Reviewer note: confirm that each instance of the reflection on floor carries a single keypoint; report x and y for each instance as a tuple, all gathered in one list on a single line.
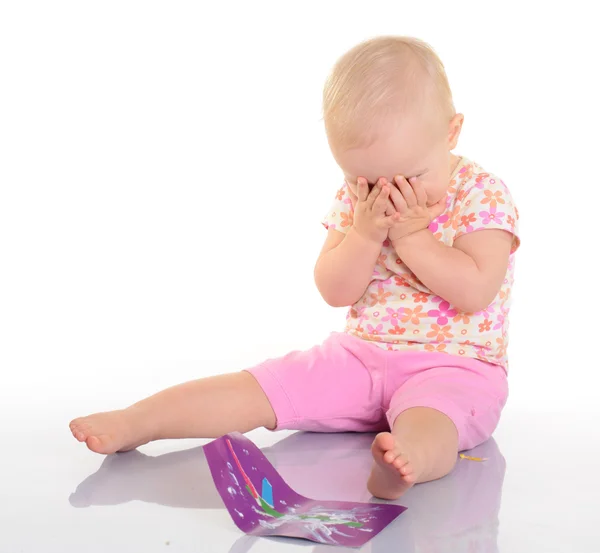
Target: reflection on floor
[(457, 513)]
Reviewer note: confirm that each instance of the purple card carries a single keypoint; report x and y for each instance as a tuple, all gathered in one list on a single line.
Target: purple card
[(262, 504)]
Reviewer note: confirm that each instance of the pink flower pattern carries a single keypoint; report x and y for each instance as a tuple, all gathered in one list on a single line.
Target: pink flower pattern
[(486, 312), (375, 330), (393, 315), (443, 312), (501, 319), (491, 215), (471, 202)]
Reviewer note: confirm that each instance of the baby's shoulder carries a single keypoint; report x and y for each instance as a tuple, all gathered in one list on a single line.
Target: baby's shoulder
[(478, 200), (472, 180)]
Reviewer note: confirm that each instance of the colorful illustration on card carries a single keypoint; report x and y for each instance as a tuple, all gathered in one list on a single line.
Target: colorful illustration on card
[(239, 470)]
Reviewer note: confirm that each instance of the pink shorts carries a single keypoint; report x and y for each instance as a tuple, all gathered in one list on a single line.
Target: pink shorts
[(349, 385)]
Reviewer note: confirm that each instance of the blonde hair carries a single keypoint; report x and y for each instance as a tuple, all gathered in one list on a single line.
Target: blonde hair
[(377, 82)]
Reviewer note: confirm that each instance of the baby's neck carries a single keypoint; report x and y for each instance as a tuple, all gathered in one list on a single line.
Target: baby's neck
[(454, 161)]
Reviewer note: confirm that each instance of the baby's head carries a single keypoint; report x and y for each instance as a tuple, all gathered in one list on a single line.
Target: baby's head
[(388, 111)]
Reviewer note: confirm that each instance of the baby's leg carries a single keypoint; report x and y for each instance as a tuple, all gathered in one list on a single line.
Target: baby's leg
[(205, 408), (422, 446), (435, 414)]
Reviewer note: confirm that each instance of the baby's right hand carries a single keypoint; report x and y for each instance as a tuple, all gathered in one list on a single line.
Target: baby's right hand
[(370, 219)]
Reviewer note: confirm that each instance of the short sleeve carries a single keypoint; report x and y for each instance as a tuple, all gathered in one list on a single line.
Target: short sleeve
[(486, 203), (340, 214)]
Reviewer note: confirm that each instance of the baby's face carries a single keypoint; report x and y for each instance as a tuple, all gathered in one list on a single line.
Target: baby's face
[(409, 152)]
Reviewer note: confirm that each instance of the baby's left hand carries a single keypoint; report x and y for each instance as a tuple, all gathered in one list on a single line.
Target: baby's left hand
[(412, 212)]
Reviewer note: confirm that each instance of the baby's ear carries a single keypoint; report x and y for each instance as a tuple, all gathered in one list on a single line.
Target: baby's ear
[(454, 130)]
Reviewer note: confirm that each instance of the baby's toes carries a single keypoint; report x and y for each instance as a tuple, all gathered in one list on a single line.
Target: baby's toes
[(406, 470), (409, 478), (383, 443), (80, 434), (400, 462), (78, 424), (81, 431), (98, 444), (390, 457)]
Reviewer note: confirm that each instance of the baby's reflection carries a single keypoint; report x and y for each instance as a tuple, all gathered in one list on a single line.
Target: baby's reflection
[(457, 513)]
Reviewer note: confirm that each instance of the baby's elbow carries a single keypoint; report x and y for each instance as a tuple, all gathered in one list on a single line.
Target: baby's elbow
[(335, 299), (333, 294), (475, 301), (335, 303), (472, 306)]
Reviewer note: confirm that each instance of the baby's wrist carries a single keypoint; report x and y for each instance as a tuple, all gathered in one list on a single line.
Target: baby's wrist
[(411, 237), (366, 238)]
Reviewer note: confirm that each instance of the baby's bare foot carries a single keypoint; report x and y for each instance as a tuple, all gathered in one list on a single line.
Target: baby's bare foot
[(394, 470), (113, 431)]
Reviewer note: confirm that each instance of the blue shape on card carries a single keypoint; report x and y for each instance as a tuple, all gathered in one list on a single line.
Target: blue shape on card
[(267, 492)]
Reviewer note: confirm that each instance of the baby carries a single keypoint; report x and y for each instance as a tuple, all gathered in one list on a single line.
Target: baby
[(420, 246)]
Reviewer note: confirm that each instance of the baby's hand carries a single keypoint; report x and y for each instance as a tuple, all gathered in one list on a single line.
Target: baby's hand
[(370, 219), (412, 212), (390, 210)]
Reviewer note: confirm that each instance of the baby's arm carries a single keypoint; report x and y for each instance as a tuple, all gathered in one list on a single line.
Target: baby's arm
[(345, 267), (468, 274)]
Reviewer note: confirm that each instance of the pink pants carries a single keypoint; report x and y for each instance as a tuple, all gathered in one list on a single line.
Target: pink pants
[(350, 385)]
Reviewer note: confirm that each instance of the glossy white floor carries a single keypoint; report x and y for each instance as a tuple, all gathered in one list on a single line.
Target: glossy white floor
[(537, 492)]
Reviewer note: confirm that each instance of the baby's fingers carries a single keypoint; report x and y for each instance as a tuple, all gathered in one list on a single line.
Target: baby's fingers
[(437, 209), (381, 202), (390, 220), (419, 191), (389, 208), (352, 194), (362, 189), (375, 193), (407, 191), (398, 200)]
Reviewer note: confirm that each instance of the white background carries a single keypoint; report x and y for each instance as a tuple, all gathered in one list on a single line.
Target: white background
[(163, 175), (164, 171)]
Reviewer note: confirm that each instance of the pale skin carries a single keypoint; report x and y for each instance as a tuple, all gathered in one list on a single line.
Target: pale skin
[(409, 193), (423, 443)]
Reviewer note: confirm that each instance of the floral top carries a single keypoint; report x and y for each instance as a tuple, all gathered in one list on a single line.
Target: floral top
[(398, 312)]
